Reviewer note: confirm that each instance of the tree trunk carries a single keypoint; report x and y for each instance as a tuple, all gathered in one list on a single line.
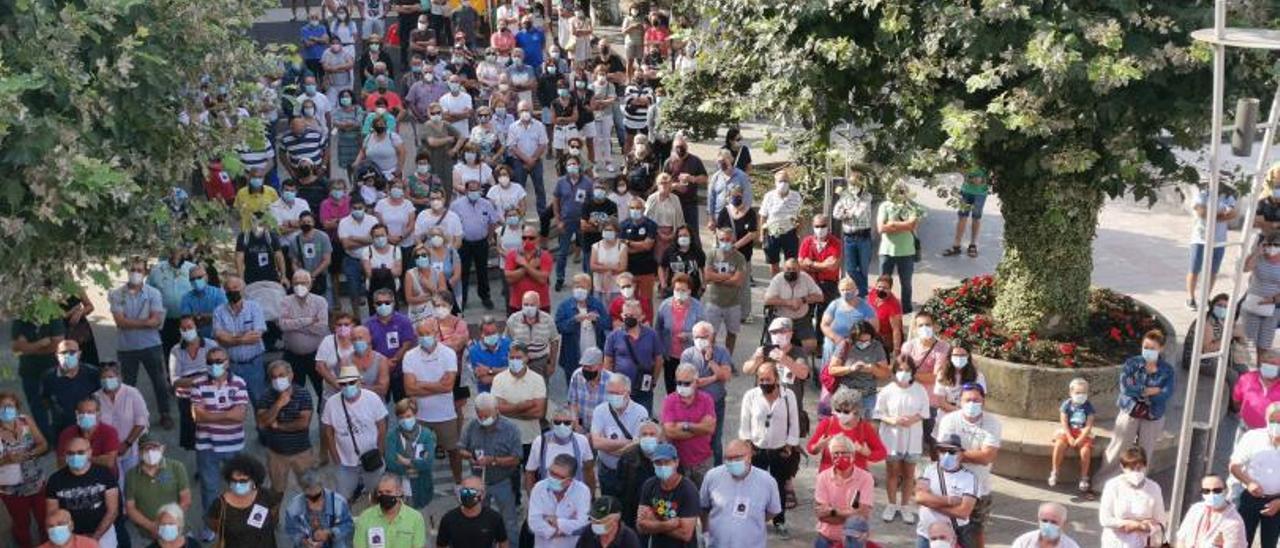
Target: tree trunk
[(1043, 279)]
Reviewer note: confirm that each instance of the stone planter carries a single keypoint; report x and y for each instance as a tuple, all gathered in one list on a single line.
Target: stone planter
[(1035, 392)]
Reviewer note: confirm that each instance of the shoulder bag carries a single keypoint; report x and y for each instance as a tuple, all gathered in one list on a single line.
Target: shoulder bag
[(955, 525), (371, 460)]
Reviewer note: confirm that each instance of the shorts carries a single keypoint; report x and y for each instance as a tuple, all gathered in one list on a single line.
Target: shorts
[(906, 458), (971, 205), (562, 134), (1073, 432), (787, 244), (446, 433), (802, 330), (724, 319), (1197, 258)]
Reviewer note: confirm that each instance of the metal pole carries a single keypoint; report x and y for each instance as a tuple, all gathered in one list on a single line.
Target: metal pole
[(1202, 292), (1223, 360)]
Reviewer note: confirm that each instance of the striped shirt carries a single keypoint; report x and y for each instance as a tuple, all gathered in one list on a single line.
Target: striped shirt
[(586, 397), (635, 117), (255, 158), (537, 337), (217, 396), (308, 146), (279, 441), (250, 318)]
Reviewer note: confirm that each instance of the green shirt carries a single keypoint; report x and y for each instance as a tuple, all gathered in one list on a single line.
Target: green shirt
[(897, 244), (408, 529), (976, 189), (150, 493), (719, 293)]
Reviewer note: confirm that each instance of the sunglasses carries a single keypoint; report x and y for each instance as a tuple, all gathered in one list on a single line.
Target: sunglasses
[(77, 452), (948, 451), (219, 362), (563, 423), (348, 383)]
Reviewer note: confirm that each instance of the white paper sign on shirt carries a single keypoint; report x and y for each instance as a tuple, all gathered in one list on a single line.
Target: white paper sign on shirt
[(257, 516)]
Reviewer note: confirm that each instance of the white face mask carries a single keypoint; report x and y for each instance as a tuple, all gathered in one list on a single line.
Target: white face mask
[(301, 290), (779, 339), (701, 343), (1135, 477), (684, 391)]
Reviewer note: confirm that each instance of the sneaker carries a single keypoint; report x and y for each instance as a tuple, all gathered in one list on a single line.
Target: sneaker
[(1191, 304), (908, 517), (1084, 486), (782, 531), (1053, 479), (559, 285), (889, 512), (207, 536)]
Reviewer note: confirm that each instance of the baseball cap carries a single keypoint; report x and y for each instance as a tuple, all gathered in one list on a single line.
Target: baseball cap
[(952, 441), (604, 507), (591, 356), (780, 324), (664, 451)]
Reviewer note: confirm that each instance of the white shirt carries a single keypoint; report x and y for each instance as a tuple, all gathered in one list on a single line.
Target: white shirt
[(1031, 539), (603, 425), (323, 106), (449, 222), (769, 425), (365, 413), (1260, 458), (1201, 527), (570, 511), (458, 104), (895, 401), (510, 197), (398, 218), (526, 139), (431, 367), (984, 433), (1121, 501), (556, 447), (512, 389), (780, 212), (284, 212), (348, 227), (960, 483)]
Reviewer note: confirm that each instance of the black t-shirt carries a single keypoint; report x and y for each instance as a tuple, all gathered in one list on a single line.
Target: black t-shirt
[(585, 115), (681, 502), (313, 193), (562, 109), (280, 441), (34, 365), (741, 227), (547, 86), (597, 212), (259, 256), (634, 469), (626, 538), (689, 261), (482, 531), (253, 526), (693, 166), (640, 263), (613, 64), (84, 496)]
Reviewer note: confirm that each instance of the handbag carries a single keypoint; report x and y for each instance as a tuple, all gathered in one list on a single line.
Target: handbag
[(371, 460), (1253, 304), (1140, 411)]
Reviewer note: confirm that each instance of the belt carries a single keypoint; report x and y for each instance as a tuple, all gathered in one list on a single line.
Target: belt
[(860, 233)]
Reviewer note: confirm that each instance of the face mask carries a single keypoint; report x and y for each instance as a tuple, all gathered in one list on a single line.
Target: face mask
[(683, 241), (736, 201), (168, 532), (469, 156), (972, 409), (779, 339), (422, 262), (513, 221), (255, 182), (563, 93), (648, 444), (490, 340), (580, 294), (351, 391), (135, 278), (442, 312), (1050, 530), (781, 187), (599, 194), (301, 290), (1135, 477), (561, 431), (960, 362), (599, 529), (437, 117), (862, 345), (60, 534), (1220, 312), (152, 457), (630, 322), (309, 112), (487, 421), (8, 413), (949, 461), (380, 241), (384, 309), (427, 342), (609, 235), (437, 204), (881, 293), (701, 343), (397, 193), (1269, 370), (1079, 399), (821, 233), (515, 365), (87, 421), (616, 401), (529, 311), (217, 370), (939, 544), (241, 487), (468, 497), (380, 129), (572, 169), (199, 284), (556, 484), (387, 502), (628, 292), (843, 464), (111, 384), (360, 346), (925, 332), (768, 388), (1150, 355), (725, 247), (685, 391), (1273, 429), (589, 374), (1215, 500), (525, 116), (636, 213), (281, 384), (473, 195), (903, 377), (408, 423), (736, 467), (844, 418), (664, 472), (344, 101), (357, 214)]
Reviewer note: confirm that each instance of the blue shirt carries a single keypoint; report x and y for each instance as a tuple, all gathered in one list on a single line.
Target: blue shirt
[(1077, 415), (314, 51), (647, 348), (572, 197), (478, 217), (494, 358), (136, 306), (532, 41), (336, 516), (249, 318), (203, 302), (173, 282), (719, 355), (720, 185), (1134, 379)]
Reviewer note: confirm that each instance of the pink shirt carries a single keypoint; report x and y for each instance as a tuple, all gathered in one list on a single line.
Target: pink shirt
[(928, 359), (835, 491), (678, 313), (126, 411), (331, 210), (695, 450), (502, 41), (1254, 398)]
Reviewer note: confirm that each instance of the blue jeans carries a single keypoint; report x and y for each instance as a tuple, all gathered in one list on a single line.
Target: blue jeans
[(502, 498), (353, 271), (905, 267), (31, 388), (255, 378), (618, 126), (209, 464), (518, 175), (857, 260), (717, 443), (348, 477), (567, 236)]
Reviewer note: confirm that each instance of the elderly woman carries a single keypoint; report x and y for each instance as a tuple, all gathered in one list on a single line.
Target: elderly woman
[(842, 315), (674, 323), (318, 516), (171, 529), (859, 363), (835, 491), (237, 516), (663, 207), (471, 167), (374, 368), (582, 322), (1132, 512), (411, 450), (443, 262), (21, 446), (851, 420), (1146, 384), (1259, 304)]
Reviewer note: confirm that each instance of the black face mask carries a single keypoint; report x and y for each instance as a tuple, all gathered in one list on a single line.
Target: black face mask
[(233, 296), (589, 374), (308, 227), (469, 498), (768, 388), (380, 129), (630, 322), (880, 293), (386, 502), (790, 276)]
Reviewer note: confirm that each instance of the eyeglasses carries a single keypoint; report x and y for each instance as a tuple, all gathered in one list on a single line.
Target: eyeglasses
[(77, 452), (1215, 490), (217, 362), (819, 226), (347, 383)]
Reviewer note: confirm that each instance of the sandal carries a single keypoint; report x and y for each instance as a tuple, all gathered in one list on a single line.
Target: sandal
[(972, 252), (951, 251), (789, 501)]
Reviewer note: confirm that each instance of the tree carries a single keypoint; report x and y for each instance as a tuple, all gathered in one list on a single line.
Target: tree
[(93, 98), (1064, 103)]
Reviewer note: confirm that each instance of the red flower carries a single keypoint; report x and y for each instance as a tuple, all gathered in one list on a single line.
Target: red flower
[(1007, 346), (1129, 329), (1069, 362), (1067, 349), (1115, 334), (950, 332), (964, 290), (949, 301), (975, 327), (1031, 336)]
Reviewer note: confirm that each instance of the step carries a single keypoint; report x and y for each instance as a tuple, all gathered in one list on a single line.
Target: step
[(1026, 449)]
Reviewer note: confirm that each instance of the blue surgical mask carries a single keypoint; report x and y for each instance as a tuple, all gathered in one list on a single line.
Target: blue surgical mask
[(60, 534), (473, 195), (971, 409), (1269, 370), (217, 370), (636, 213), (255, 182), (1050, 530), (925, 331), (515, 365), (427, 342), (360, 346), (555, 484), (8, 413), (736, 467), (385, 309), (1215, 500), (408, 423), (573, 169), (598, 194), (380, 241), (71, 361), (960, 362), (562, 431), (241, 488), (351, 391), (1150, 355), (490, 340), (111, 384), (664, 472), (422, 262), (1220, 312), (337, 194), (648, 443), (949, 461), (200, 284), (168, 532), (78, 462), (397, 193), (580, 294), (616, 401), (288, 195), (87, 421)]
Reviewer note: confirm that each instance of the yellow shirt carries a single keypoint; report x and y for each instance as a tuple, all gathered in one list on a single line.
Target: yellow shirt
[(249, 203)]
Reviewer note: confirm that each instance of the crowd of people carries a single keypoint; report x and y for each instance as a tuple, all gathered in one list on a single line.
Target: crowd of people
[(388, 187)]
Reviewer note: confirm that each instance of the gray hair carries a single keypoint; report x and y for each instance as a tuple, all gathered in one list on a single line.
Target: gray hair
[(1078, 382), (704, 325), (176, 513), (686, 367), (278, 365), (846, 397), (622, 380), (649, 422), (487, 401), (310, 478), (561, 411), (839, 439), (566, 460), (1058, 509)]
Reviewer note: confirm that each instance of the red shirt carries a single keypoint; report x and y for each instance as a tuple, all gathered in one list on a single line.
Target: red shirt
[(615, 309), (862, 432), (885, 310), (104, 440), (502, 41), (393, 101), (218, 185), (527, 283), (809, 250), (1254, 398)]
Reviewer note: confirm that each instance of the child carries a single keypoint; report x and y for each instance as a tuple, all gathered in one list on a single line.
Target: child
[(1076, 415)]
